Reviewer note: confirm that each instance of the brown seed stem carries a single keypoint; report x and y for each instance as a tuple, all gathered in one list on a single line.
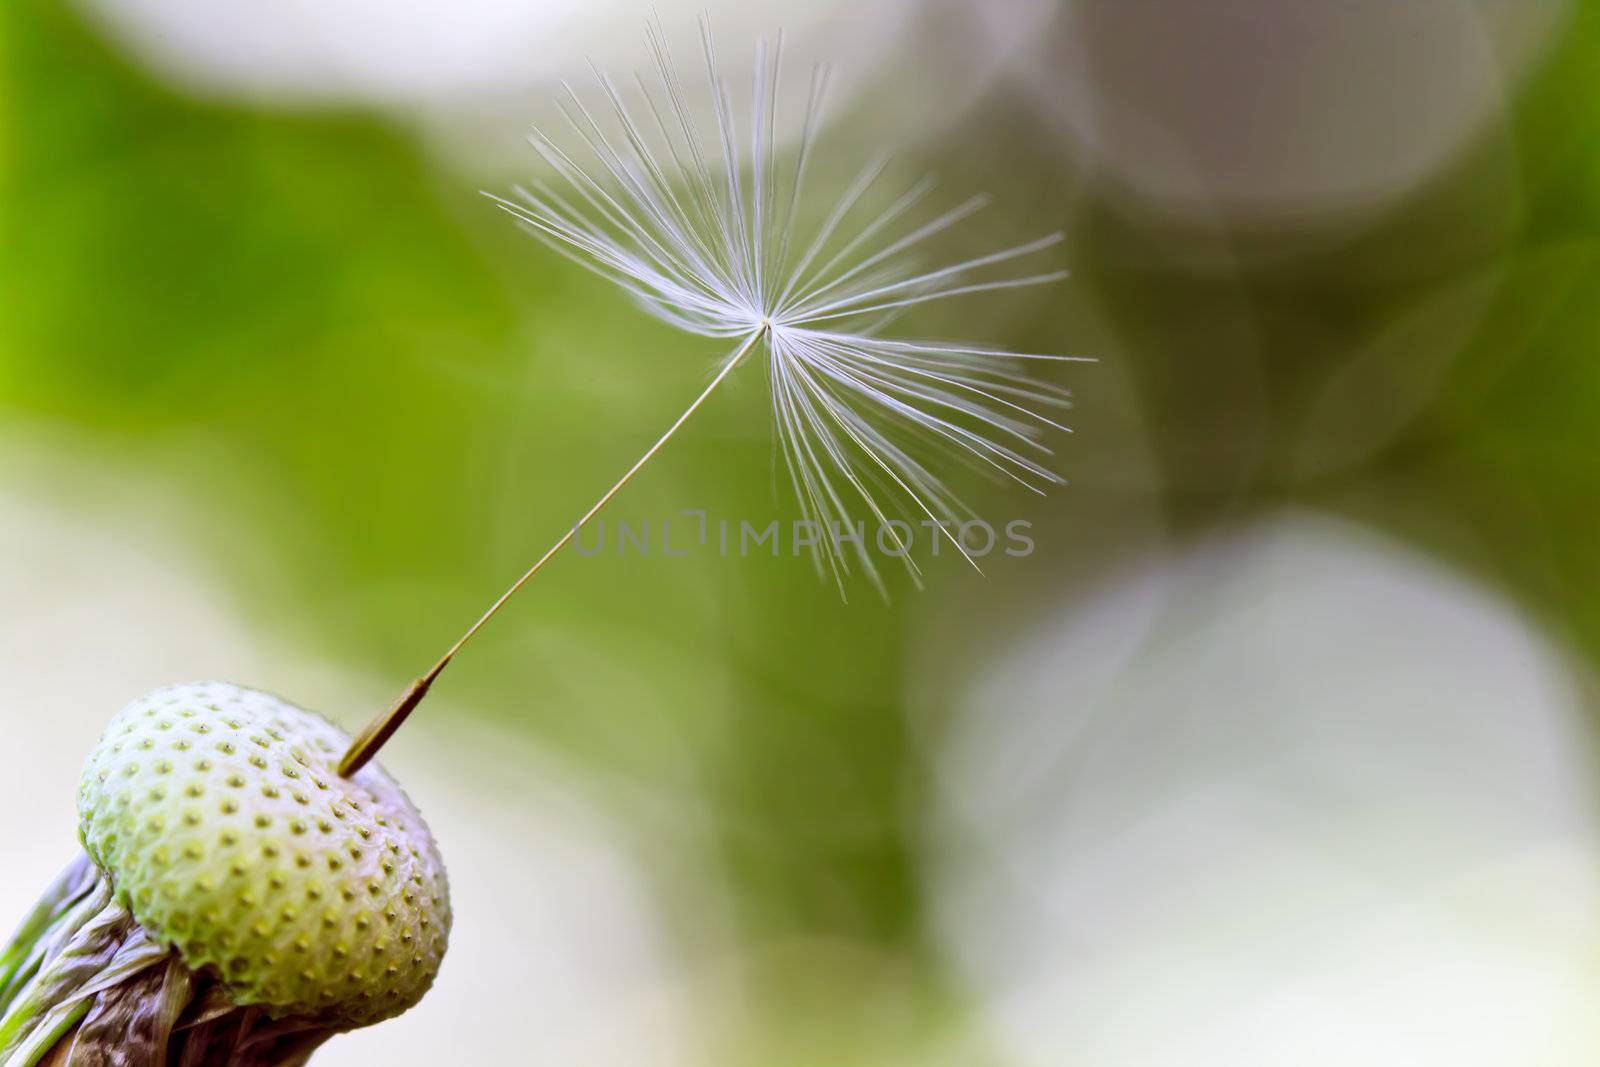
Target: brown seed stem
[(378, 732)]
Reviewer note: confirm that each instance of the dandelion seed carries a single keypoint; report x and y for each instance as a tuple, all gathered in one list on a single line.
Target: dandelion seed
[(712, 244)]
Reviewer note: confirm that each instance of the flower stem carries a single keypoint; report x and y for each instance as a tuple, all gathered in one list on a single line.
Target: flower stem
[(378, 732)]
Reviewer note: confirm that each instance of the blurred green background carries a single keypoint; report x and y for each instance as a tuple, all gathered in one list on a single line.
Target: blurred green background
[(1335, 261)]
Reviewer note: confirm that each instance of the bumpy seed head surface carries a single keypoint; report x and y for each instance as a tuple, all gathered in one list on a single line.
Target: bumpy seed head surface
[(220, 817)]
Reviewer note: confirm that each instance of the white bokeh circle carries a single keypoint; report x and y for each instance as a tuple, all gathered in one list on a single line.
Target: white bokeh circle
[(1275, 109), (1301, 795)]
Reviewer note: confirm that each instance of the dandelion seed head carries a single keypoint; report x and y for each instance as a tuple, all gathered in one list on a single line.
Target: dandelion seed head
[(708, 234)]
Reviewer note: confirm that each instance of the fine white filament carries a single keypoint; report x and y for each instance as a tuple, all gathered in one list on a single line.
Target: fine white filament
[(702, 232)]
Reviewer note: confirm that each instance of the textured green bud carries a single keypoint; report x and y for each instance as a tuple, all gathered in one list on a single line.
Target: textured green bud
[(226, 831)]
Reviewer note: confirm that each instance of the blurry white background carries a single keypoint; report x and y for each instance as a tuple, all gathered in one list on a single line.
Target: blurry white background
[(1299, 795), (473, 74)]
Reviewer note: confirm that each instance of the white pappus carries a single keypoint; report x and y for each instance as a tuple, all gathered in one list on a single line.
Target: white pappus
[(702, 232)]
